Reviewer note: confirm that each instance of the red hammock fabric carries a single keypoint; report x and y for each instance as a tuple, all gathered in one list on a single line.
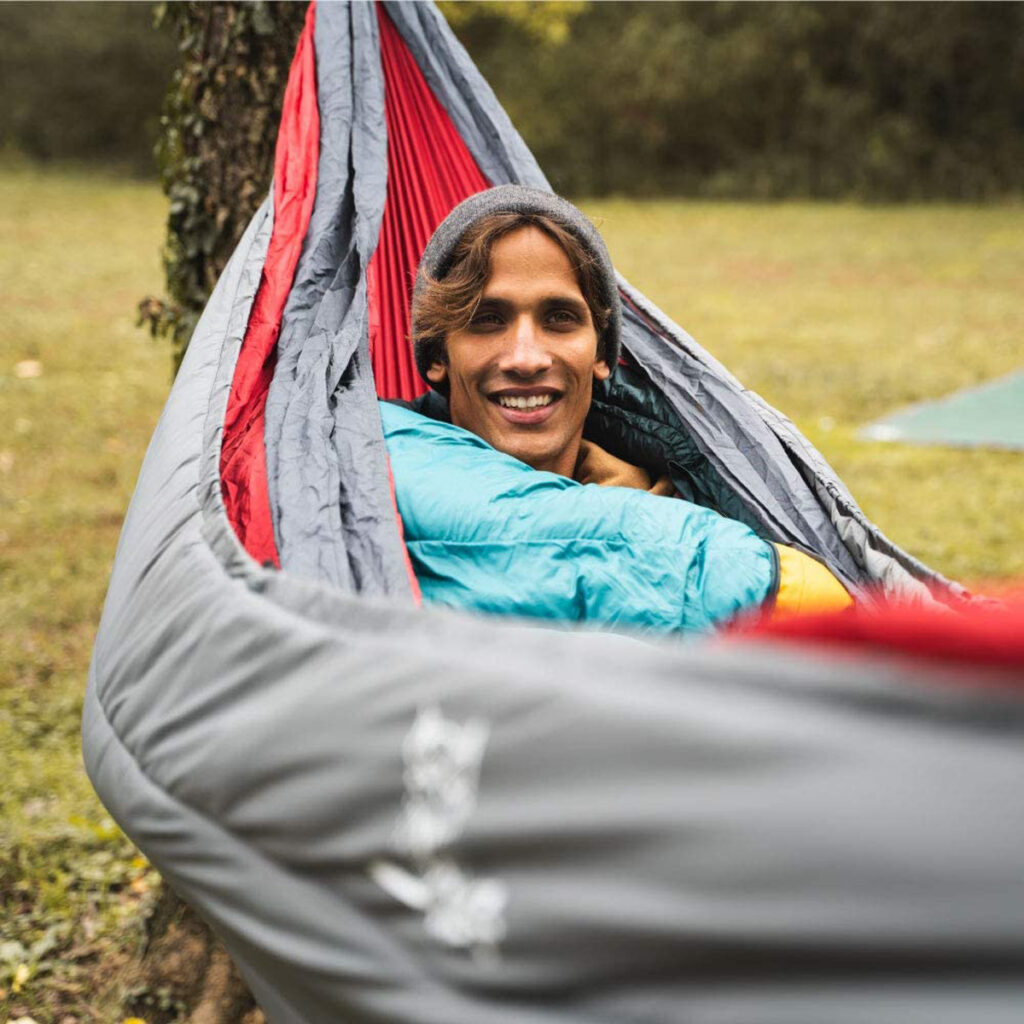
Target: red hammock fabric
[(243, 456), (430, 171), (968, 641)]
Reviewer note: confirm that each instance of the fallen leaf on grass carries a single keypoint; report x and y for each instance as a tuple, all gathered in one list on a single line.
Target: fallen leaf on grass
[(28, 368), (37, 806), (21, 975)]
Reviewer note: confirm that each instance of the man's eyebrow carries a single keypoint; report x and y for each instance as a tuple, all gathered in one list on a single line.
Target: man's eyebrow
[(571, 301), (547, 302)]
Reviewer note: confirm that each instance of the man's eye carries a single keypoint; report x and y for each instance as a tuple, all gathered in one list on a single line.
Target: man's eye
[(563, 318), (484, 320)]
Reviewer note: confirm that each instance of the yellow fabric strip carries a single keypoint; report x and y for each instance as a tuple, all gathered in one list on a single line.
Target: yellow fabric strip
[(806, 586)]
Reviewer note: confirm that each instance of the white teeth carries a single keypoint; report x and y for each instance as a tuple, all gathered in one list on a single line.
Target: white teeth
[(520, 402)]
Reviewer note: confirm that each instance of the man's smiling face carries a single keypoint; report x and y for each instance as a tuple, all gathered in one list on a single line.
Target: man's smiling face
[(520, 374)]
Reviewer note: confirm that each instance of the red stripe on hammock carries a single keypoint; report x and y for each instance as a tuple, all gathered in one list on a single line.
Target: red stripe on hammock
[(430, 171), (966, 641), (243, 457)]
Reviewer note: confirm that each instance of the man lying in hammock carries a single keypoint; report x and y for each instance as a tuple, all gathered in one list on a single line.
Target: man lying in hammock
[(506, 507)]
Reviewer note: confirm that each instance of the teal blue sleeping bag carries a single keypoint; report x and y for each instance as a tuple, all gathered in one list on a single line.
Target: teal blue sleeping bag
[(487, 532)]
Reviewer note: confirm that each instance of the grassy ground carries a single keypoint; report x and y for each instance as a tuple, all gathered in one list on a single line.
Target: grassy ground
[(80, 391), (835, 314)]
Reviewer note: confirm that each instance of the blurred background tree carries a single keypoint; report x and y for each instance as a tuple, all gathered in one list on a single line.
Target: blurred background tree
[(882, 101), (216, 149), (878, 102), (750, 100), (82, 82)]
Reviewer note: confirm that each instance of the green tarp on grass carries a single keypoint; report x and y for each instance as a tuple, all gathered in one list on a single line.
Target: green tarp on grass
[(991, 416)]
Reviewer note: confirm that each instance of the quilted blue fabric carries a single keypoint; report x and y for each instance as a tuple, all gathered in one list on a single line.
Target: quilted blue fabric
[(486, 532)]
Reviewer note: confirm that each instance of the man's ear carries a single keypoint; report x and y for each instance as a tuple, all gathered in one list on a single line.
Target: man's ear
[(437, 373), (602, 371)]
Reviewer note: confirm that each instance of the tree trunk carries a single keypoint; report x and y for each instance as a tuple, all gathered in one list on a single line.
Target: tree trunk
[(184, 973), (216, 153)]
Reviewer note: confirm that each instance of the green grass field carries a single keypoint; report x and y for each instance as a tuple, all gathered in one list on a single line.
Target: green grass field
[(76, 254), (833, 313)]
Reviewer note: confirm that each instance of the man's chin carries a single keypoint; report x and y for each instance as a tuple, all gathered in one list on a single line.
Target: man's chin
[(537, 451), (541, 445)]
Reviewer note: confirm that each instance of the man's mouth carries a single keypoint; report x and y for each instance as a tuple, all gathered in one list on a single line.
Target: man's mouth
[(526, 405), (521, 402)]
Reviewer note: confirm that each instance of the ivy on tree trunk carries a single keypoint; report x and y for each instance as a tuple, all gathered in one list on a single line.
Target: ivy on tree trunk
[(216, 150)]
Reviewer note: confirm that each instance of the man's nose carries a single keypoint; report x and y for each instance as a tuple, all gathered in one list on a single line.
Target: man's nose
[(527, 353)]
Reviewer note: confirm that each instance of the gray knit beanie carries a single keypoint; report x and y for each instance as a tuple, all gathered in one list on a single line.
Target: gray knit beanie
[(439, 254)]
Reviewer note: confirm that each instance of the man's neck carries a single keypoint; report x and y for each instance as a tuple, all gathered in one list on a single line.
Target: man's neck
[(564, 463)]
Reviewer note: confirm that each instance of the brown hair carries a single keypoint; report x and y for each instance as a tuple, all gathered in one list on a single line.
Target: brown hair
[(443, 305)]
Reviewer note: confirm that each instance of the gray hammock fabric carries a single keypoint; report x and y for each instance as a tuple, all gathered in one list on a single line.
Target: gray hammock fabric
[(401, 814)]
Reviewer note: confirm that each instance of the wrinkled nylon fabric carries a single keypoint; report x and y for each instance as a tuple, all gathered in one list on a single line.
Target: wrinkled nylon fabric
[(521, 542), (243, 467), (420, 193), (326, 463), (449, 72), (704, 833)]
